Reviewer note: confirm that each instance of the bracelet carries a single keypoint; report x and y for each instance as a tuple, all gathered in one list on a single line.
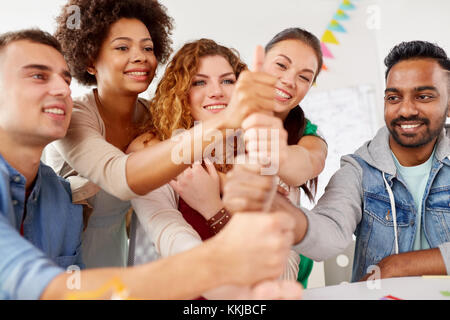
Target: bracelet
[(217, 222)]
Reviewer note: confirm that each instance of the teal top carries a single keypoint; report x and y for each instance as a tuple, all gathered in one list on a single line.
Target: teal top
[(416, 179)]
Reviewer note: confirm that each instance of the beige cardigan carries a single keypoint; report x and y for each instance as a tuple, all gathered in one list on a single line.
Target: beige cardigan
[(86, 159)]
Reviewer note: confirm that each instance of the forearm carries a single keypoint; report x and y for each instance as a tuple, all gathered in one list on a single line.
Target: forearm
[(414, 263), (302, 165), (156, 165), (176, 277), (168, 230)]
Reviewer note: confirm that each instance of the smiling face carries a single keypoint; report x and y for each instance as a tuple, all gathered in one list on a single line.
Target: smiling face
[(416, 102), (126, 61), (211, 88), (35, 101), (295, 65)]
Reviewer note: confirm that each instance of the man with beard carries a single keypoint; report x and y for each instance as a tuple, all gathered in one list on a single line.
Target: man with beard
[(394, 192)]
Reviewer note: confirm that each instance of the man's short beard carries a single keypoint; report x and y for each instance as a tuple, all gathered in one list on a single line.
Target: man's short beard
[(428, 137)]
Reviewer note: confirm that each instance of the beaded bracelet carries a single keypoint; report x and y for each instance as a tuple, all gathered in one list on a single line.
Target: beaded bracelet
[(217, 222)]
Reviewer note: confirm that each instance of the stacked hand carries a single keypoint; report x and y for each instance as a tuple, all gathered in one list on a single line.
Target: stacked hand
[(200, 188), (255, 247)]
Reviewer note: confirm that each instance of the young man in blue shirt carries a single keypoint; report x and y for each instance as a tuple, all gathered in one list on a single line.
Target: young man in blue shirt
[(393, 193), (40, 228)]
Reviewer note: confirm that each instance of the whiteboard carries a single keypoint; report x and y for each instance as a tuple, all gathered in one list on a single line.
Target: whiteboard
[(345, 118)]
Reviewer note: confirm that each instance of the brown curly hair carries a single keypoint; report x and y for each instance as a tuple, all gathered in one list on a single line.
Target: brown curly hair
[(170, 109), (81, 46)]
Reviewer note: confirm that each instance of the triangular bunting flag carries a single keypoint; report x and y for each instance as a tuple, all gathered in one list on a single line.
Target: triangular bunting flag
[(329, 37), (324, 67), (326, 53), (347, 5), (335, 26), (341, 15)]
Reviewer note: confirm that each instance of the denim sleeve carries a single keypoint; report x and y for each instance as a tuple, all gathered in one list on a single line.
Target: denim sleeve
[(445, 251), (25, 271)]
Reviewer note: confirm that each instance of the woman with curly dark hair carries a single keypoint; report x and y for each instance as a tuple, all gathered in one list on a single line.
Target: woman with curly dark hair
[(117, 49)]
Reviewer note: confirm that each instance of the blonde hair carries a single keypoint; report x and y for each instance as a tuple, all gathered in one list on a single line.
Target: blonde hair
[(170, 109)]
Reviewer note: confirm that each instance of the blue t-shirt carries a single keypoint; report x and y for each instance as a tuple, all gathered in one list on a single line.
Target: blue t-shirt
[(416, 179)]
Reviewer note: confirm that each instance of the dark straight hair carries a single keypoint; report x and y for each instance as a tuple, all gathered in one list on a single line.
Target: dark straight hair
[(416, 50), (304, 36), (295, 121)]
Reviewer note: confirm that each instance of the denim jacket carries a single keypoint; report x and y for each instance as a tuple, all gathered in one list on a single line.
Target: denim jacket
[(52, 232), (357, 201)]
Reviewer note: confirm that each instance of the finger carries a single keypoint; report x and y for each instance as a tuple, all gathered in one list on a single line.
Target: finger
[(247, 192), (242, 205), (211, 169), (254, 79), (291, 290), (269, 201), (187, 174), (244, 179), (243, 165), (266, 290), (261, 120), (284, 220), (197, 168), (283, 191), (262, 102), (264, 90), (258, 59)]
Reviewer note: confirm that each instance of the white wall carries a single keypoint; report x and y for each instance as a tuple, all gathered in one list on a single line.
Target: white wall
[(243, 24)]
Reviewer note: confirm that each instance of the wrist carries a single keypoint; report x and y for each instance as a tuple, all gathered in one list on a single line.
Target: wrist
[(219, 220), (217, 123), (390, 267), (212, 210)]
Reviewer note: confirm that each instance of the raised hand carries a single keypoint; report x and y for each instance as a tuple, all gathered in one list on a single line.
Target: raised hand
[(266, 141), (247, 190), (254, 247), (254, 92)]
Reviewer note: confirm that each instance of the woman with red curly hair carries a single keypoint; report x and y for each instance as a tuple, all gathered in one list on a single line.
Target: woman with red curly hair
[(117, 49), (197, 86), (178, 104)]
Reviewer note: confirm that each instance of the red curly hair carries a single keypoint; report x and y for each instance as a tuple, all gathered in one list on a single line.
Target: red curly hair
[(170, 109)]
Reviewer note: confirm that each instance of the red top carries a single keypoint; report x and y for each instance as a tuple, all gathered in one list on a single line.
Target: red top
[(195, 219), (21, 228)]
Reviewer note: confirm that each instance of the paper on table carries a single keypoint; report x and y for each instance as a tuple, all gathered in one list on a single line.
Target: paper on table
[(445, 293), (390, 297)]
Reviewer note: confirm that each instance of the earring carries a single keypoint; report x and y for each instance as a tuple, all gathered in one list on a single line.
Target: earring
[(91, 71)]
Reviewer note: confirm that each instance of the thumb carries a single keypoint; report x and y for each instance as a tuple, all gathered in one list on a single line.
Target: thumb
[(258, 59)]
